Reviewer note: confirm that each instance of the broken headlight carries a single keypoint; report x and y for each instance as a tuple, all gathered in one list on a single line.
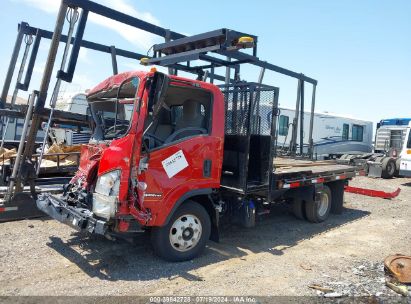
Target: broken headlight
[(109, 183), (105, 198)]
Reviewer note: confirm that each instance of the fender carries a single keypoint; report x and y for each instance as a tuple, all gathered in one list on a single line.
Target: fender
[(215, 236), (306, 193), (184, 197)]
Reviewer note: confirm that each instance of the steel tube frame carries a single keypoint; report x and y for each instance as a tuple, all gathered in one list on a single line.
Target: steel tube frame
[(12, 65), (56, 90), (45, 82), (293, 142), (310, 136), (17, 166), (302, 118), (28, 42)]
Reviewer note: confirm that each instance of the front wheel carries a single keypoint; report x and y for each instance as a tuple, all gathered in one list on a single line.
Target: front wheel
[(185, 235)]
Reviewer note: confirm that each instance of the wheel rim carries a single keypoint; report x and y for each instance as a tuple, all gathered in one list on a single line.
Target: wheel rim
[(185, 233), (323, 204)]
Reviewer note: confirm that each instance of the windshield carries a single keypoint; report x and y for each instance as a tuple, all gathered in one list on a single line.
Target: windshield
[(112, 110)]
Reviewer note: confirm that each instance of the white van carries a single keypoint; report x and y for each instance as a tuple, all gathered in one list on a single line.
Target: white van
[(405, 166)]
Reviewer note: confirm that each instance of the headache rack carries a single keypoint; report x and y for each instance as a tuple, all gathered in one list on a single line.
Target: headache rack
[(251, 111)]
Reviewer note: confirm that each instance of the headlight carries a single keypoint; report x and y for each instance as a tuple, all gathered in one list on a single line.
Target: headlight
[(104, 206), (109, 183)]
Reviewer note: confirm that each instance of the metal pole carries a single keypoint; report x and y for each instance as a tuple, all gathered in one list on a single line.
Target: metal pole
[(212, 74), (167, 38), (293, 142), (261, 76), (114, 59), (311, 148), (12, 65), (28, 41), (73, 20), (205, 76), (302, 119), (42, 94), (227, 73), (16, 166)]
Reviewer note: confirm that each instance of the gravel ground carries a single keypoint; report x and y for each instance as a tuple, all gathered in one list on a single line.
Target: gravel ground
[(281, 256)]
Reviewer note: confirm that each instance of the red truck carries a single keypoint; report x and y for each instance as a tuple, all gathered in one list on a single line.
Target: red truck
[(175, 156)]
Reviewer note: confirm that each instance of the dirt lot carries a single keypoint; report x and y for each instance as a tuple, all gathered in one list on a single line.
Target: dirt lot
[(281, 256)]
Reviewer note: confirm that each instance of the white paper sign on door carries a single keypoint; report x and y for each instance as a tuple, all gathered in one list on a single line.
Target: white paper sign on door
[(175, 163)]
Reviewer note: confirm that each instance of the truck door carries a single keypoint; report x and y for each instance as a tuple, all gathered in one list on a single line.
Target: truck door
[(181, 150)]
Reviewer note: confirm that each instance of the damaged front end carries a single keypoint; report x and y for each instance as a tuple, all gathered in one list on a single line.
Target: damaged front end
[(81, 219), (75, 207), (105, 196), (100, 198)]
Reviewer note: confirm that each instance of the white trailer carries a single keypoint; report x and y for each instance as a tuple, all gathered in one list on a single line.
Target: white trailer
[(333, 135)]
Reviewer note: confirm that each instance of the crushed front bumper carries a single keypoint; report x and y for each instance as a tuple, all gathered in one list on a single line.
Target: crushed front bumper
[(78, 218)]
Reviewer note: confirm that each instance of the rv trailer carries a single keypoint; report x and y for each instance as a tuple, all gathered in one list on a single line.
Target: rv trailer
[(333, 135)]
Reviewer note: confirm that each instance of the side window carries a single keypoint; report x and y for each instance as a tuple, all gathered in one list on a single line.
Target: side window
[(186, 113), (357, 132), (345, 132), (409, 139), (283, 125)]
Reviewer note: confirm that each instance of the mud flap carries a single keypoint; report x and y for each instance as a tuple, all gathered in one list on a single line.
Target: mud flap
[(22, 206), (374, 169)]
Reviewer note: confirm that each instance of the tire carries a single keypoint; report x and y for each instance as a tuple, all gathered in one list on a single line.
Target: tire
[(388, 167), (337, 193), (298, 208), (318, 210), (397, 167), (175, 242)]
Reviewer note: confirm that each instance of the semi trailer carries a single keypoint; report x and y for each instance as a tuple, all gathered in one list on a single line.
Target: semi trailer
[(178, 165), (384, 161)]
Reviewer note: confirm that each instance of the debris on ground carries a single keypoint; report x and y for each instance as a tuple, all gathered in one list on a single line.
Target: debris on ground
[(320, 288), (306, 267), (398, 288), (399, 267), (368, 279)]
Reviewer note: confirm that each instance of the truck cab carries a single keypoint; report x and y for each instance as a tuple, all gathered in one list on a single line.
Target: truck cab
[(157, 144), (405, 166)]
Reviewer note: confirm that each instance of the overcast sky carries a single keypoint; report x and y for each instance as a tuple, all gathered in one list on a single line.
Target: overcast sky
[(359, 51)]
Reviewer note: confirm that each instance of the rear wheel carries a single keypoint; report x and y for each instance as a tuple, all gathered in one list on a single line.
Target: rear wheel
[(337, 193), (185, 235), (388, 168), (397, 167), (298, 208), (319, 209)]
